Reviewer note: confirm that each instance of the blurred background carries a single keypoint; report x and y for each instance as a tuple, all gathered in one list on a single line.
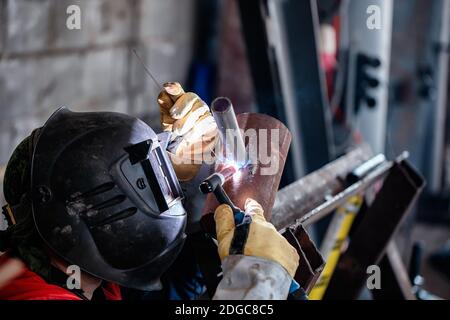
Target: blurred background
[(338, 73)]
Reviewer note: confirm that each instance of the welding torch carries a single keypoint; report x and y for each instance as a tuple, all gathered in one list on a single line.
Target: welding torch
[(214, 184)]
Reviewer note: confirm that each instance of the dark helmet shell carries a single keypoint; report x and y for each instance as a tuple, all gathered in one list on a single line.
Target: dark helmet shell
[(97, 209)]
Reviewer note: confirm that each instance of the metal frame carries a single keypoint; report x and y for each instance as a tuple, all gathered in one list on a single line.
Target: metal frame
[(318, 194), (442, 57), (374, 44), (375, 229)]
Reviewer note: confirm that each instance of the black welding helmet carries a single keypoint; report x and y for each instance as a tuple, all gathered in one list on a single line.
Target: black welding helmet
[(105, 197)]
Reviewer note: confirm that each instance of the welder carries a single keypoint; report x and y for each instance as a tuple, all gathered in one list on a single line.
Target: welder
[(98, 191)]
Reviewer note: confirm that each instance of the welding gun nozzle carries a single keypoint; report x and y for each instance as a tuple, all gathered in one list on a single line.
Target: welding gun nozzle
[(217, 179), (211, 183)]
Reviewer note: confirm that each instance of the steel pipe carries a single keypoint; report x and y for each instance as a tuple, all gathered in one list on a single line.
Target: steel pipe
[(232, 144)]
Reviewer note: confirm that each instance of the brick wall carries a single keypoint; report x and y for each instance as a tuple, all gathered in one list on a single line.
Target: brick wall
[(44, 65)]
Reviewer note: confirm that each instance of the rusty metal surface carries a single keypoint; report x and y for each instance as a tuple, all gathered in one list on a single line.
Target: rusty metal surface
[(250, 182), (311, 262), (302, 196)]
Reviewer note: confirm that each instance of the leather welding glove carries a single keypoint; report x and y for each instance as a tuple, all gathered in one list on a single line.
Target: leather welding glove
[(192, 127), (264, 266)]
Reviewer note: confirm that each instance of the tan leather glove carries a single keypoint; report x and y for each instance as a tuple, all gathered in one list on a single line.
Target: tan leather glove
[(263, 240), (192, 127)]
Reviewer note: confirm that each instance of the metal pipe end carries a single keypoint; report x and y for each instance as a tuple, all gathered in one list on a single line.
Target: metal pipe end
[(221, 105)]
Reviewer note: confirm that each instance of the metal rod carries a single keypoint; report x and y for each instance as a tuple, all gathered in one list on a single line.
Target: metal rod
[(157, 83), (365, 168), (231, 138), (339, 199), (302, 196)]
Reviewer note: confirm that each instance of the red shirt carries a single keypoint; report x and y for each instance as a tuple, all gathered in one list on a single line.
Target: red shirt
[(30, 286)]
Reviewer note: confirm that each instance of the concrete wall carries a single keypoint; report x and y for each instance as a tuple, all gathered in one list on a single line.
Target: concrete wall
[(44, 65)]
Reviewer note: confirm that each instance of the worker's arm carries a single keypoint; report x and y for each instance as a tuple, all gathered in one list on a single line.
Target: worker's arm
[(257, 262)]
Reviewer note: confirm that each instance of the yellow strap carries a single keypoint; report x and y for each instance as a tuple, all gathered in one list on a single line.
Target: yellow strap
[(349, 210), (10, 214)]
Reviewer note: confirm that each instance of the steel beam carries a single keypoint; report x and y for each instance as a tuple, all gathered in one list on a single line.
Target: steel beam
[(379, 223)]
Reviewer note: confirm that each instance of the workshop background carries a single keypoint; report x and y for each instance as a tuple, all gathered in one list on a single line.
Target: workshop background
[(201, 44)]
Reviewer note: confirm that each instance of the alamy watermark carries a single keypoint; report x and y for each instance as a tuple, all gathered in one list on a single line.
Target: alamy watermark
[(262, 151), (74, 277), (373, 281), (73, 21), (373, 21)]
